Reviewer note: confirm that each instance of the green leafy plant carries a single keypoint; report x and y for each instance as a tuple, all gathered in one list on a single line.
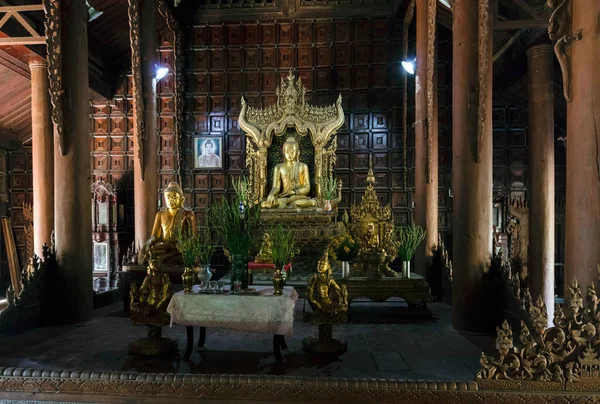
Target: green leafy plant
[(408, 238), (236, 231), (328, 187), (242, 190), (206, 248), (283, 246), (189, 245), (344, 248)]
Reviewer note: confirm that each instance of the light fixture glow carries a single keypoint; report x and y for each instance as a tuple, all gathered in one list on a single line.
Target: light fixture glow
[(409, 66), (446, 3), (94, 14), (161, 72)]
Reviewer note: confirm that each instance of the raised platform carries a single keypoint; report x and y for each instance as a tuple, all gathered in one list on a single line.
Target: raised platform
[(415, 290)]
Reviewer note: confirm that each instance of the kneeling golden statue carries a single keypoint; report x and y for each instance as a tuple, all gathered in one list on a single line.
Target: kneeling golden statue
[(148, 307), (291, 181), (329, 302), (169, 221)]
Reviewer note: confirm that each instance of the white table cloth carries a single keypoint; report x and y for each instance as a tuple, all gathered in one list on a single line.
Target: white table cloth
[(264, 313)]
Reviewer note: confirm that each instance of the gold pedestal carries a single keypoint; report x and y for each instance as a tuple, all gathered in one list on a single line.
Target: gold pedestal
[(154, 344)]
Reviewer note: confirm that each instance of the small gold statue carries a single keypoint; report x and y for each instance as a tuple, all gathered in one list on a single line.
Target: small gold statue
[(167, 223), (265, 254), (371, 242), (149, 304), (321, 290), (291, 181)]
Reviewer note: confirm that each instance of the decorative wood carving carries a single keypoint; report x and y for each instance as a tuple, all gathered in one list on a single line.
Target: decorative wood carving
[(559, 31), (28, 218), (53, 44), (483, 72), (136, 68), (179, 63), (431, 90), (408, 17)]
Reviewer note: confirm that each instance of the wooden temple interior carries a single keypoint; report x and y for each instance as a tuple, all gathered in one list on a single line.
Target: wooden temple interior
[(130, 126)]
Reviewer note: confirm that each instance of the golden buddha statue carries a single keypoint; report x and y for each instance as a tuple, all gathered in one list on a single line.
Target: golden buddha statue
[(169, 221), (149, 304), (291, 181), (320, 290), (265, 254)]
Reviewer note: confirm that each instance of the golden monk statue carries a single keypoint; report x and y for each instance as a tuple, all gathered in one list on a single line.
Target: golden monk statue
[(291, 181), (327, 299), (168, 222), (371, 242), (149, 304)]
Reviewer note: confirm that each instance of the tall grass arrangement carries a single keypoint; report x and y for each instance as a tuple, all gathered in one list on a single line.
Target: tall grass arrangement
[(328, 187), (235, 231), (242, 190), (207, 247), (189, 245), (408, 238), (283, 246)]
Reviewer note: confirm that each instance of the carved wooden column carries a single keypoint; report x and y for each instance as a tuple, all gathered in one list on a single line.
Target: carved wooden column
[(472, 161), (144, 43), (582, 233), (42, 131), (72, 210), (426, 136), (541, 174)]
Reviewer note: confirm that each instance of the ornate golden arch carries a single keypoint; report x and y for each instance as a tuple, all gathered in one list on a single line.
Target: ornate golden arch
[(291, 110)]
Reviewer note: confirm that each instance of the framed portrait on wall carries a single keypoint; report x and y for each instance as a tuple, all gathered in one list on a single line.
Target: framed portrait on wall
[(208, 152)]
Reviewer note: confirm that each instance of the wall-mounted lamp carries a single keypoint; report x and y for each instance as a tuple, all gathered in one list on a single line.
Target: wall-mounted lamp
[(409, 65), (94, 14), (161, 72), (446, 3)]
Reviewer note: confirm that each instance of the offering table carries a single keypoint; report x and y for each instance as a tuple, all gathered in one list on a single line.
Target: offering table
[(263, 313)]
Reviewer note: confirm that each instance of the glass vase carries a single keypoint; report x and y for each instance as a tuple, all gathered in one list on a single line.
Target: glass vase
[(406, 269), (327, 206), (239, 269), (204, 275)]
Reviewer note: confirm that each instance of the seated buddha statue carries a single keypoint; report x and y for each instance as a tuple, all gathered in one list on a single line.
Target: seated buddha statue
[(291, 181), (149, 304), (169, 221), (328, 300), (265, 254)]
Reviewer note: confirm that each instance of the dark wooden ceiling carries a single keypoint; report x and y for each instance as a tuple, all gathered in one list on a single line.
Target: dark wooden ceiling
[(110, 49)]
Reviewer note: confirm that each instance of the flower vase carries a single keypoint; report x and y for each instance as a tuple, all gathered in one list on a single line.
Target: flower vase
[(327, 206), (406, 269), (204, 275), (345, 269), (278, 283), (239, 270), (188, 279)]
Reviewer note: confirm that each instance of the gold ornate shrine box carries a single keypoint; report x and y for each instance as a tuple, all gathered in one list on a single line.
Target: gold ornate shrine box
[(104, 235)]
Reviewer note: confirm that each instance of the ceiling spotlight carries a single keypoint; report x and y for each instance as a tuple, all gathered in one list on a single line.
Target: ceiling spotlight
[(409, 66), (161, 72), (446, 3), (93, 12)]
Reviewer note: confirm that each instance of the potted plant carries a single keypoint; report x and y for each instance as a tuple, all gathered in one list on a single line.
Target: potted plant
[(408, 239), (328, 190), (189, 245), (283, 247), (344, 248), (236, 231)]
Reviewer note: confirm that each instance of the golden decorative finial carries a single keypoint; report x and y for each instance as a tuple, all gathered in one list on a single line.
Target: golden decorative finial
[(370, 175)]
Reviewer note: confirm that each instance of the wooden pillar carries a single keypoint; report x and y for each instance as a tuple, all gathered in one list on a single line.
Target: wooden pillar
[(426, 142), (582, 233), (146, 186), (471, 165), (42, 140), (72, 209), (541, 174)]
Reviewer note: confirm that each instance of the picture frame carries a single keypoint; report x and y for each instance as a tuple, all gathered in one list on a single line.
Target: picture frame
[(100, 257), (208, 152)]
